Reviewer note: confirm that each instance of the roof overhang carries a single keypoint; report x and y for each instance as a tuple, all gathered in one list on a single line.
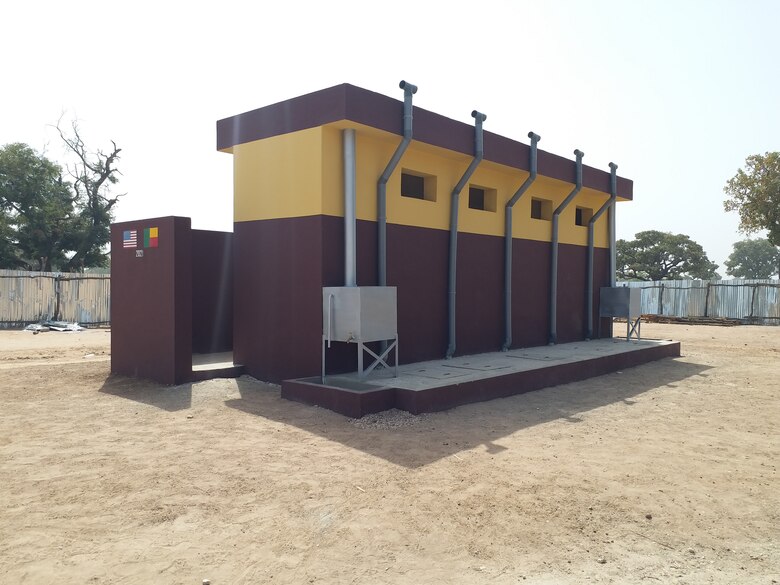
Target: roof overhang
[(348, 102)]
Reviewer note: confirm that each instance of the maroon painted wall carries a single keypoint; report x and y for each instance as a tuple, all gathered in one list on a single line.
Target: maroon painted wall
[(572, 279), (212, 291), (151, 302), (417, 265), (282, 265), (530, 292), (479, 322), (277, 286)]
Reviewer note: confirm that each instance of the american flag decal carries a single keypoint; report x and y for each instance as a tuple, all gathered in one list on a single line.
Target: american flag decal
[(130, 239)]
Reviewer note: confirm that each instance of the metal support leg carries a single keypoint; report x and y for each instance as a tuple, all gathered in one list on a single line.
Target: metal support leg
[(395, 371), (634, 328), (323, 358)]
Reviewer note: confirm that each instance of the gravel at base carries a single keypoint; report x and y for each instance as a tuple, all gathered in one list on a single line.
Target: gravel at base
[(388, 419)]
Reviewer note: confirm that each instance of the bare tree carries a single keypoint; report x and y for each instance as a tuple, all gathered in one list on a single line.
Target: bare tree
[(93, 174)]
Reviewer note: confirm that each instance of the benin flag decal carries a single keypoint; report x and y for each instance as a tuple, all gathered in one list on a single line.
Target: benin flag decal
[(150, 237)]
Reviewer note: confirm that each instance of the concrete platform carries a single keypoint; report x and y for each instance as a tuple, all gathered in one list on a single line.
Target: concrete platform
[(442, 384), (207, 366)]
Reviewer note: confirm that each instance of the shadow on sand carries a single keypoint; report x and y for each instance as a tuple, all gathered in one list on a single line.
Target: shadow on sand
[(170, 398), (416, 441), (427, 438)]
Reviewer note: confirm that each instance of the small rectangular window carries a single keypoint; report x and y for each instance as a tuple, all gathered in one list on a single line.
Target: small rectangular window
[(418, 185), (541, 209), (482, 198), (582, 216), (476, 198), (412, 186)]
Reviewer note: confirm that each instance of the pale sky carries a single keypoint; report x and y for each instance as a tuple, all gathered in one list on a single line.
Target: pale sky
[(678, 94)]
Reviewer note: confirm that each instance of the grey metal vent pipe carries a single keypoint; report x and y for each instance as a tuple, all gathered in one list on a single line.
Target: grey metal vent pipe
[(479, 152), (381, 187), (350, 218), (589, 290), (612, 243), (554, 251), (535, 138)]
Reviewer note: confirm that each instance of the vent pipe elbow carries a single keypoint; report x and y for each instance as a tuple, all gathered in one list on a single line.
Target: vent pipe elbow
[(612, 225), (381, 189), (553, 338), (479, 118), (596, 216), (577, 184), (535, 138)]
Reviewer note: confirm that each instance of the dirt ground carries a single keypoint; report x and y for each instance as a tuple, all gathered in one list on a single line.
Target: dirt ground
[(665, 473)]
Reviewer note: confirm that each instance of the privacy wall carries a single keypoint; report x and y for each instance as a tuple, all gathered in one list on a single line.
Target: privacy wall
[(171, 294)]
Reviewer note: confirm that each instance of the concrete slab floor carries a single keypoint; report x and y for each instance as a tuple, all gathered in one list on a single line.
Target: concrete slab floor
[(212, 361), (437, 373)]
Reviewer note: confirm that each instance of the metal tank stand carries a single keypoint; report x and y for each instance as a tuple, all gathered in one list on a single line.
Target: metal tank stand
[(623, 302), (361, 315), (633, 328), (378, 359)]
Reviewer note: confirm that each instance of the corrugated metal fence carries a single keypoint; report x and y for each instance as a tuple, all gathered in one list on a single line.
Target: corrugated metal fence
[(753, 301), (30, 297)]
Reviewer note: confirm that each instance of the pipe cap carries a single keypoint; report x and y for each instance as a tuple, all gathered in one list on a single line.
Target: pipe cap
[(613, 166), (406, 86), (534, 137), (479, 116)]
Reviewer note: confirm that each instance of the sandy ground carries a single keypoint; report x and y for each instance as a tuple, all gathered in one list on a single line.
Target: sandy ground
[(666, 473)]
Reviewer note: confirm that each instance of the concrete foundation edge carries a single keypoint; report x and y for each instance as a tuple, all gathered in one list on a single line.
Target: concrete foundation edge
[(358, 403)]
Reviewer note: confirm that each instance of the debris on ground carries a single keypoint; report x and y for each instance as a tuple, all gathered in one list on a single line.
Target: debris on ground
[(719, 321), (36, 328), (53, 326)]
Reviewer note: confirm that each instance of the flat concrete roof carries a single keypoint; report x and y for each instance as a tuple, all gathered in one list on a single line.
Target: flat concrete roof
[(349, 102)]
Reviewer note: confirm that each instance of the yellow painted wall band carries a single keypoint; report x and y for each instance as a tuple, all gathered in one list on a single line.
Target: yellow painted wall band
[(300, 174)]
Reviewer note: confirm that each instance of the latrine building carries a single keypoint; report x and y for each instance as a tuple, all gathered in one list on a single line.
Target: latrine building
[(488, 243), (451, 270)]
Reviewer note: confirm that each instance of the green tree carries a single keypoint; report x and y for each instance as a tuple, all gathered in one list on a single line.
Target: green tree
[(7, 247), (48, 222), (36, 206), (754, 192), (654, 255), (753, 259)]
